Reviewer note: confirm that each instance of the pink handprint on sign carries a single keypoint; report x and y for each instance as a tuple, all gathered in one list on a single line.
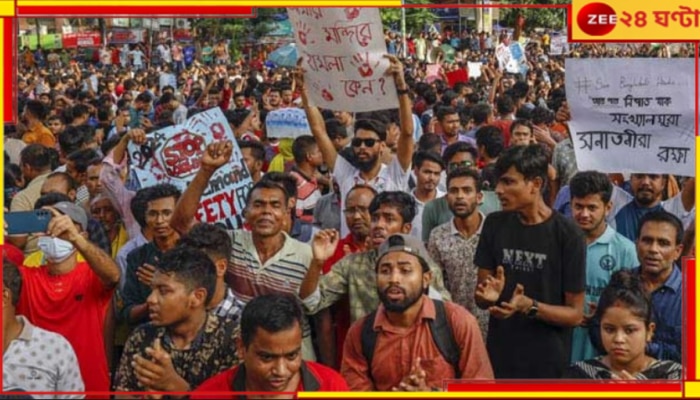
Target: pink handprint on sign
[(352, 13), (361, 62), (302, 32)]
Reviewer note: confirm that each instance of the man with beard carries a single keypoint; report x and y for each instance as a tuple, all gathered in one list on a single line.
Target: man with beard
[(265, 260), (368, 144), (354, 275), (270, 348), (647, 192), (453, 244), (183, 345), (427, 168), (531, 273), (607, 250), (403, 329)]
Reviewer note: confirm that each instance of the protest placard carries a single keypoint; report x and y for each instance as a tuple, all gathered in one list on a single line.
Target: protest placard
[(474, 69), (505, 59), (432, 72), (558, 45), (172, 155), (343, 51), (456, 76), (287, 123), (518, 54), (633, 115)]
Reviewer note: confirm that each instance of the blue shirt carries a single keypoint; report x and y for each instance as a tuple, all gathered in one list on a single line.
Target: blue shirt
[(666, 303), (628, 219), (608, 254)]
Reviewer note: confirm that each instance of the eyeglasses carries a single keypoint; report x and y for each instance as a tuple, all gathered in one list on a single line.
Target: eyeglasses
[(463, 164), (357, 142), (354, 210)]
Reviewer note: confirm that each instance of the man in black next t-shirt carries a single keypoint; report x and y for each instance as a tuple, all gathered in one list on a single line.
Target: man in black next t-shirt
[(531, 273)]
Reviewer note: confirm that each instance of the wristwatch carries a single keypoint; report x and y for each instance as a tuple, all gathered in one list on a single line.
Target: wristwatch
[(532, 312), (402, 92)]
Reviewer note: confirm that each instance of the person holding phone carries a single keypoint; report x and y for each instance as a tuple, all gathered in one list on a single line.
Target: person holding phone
[(68, 296)]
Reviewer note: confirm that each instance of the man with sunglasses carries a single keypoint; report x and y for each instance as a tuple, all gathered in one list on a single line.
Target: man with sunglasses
[(437, 211), (368, 143)]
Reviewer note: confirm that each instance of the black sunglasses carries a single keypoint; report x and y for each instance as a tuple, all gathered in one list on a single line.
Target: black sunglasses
[(357, 142)]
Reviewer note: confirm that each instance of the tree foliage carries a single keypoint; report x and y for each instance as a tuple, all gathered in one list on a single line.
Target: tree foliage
[(416, 18), (553, 18)]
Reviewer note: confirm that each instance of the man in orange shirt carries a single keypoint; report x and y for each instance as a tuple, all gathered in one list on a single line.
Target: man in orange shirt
[(34, 114), (397, 347), (70, 297)]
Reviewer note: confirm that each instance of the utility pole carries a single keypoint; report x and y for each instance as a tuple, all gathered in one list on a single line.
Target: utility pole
[(403, 31)]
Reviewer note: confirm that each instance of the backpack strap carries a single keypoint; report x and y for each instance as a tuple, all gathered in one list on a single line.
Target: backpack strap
[(369, 341), (443, 336)]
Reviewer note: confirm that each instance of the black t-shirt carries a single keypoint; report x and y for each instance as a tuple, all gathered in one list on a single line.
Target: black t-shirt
[(548, 259)]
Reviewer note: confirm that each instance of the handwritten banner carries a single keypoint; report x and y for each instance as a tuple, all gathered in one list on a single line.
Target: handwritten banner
[(287, 123), (558, 45), (633, 115), (343, 51), (172, 155)]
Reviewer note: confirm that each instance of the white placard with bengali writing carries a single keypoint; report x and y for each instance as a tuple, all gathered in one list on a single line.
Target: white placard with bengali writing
[(343, 50), (633, 115), (172, 155)]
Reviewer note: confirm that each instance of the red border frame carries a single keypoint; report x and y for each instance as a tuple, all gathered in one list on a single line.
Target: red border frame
[(690, 339)]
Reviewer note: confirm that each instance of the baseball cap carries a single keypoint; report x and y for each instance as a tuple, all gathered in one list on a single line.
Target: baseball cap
[(76, 213), (405, 243)]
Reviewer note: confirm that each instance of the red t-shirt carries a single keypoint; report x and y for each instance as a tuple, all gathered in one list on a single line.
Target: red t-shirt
[(73, 305), (504, 126), (13, 253), (314, 376)]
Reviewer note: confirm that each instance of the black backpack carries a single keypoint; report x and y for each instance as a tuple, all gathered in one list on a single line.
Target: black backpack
[(439, 327)]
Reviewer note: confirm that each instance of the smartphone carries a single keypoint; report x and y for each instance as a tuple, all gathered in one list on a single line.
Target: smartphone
[(24, 222)]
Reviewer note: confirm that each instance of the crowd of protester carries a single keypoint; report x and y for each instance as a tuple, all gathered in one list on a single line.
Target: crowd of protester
[(453, 237)]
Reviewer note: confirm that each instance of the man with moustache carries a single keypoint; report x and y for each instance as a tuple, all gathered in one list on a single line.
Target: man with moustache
[(453, 244), (402, 325), (368, 144), (607, 251), (354, 275), (266, 259), (334, 321), (450, 125), (647, 192)]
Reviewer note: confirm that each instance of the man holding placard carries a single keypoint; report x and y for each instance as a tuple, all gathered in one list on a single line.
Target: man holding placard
[(368, 144)]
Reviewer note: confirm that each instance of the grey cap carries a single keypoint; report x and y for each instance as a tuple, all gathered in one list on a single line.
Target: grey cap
[(74, 211), (405, 243)]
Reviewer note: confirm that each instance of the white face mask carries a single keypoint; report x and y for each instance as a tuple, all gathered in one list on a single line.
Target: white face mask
[(55, 250)]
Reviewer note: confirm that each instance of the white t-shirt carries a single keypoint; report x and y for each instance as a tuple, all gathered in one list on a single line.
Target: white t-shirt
[(137, 57), (390, 178)]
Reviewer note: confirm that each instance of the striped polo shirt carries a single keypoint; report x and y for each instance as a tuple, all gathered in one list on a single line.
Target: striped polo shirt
[(283, 273)]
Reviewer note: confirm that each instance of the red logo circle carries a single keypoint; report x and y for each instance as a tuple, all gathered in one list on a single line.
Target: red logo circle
[(596, 19)]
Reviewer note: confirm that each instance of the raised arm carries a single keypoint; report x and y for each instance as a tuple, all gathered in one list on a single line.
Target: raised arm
[(101, 263), (404, 147), (316, 122), (216, 155)]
